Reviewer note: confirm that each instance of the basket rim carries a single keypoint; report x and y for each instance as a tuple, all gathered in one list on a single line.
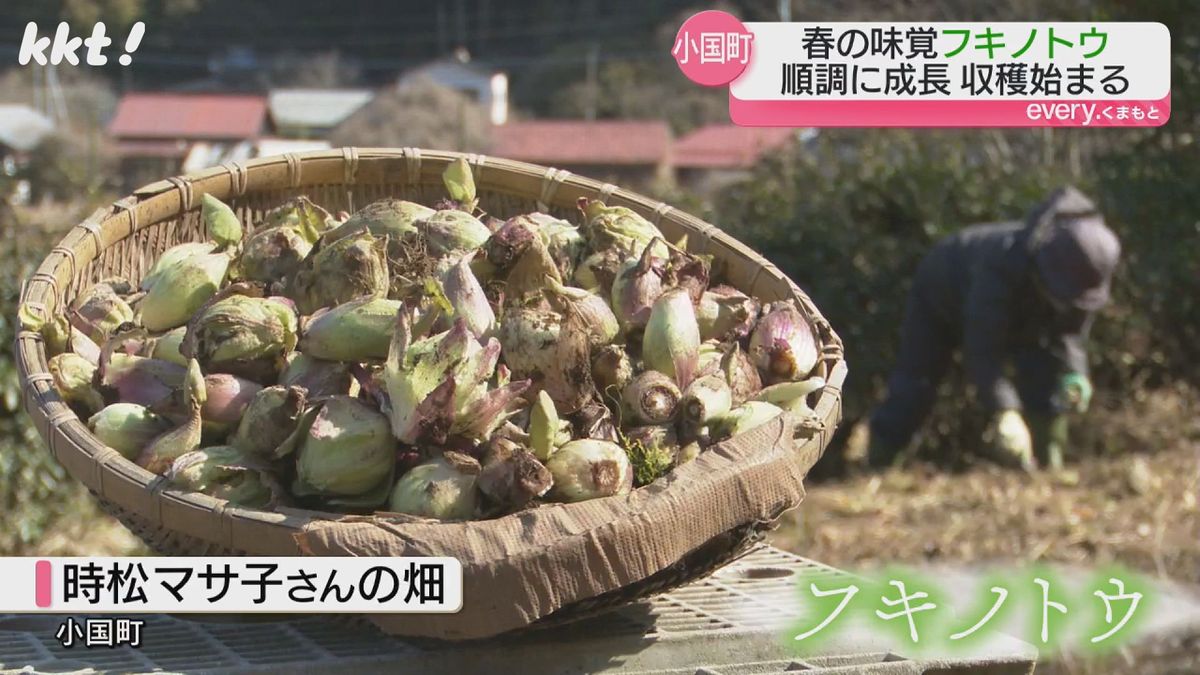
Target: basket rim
[(114, 478)]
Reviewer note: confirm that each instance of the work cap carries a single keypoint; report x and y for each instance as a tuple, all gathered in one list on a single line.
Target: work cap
[(1076, 252)]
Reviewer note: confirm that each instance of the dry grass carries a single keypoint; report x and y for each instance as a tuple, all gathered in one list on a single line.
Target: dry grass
[(1140, 510), (1131, 499), (85, 530)]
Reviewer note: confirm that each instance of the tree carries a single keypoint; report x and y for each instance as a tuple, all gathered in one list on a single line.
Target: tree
[(68, 168), (849, 215), (326, 70), (422, 114), (643, 90)]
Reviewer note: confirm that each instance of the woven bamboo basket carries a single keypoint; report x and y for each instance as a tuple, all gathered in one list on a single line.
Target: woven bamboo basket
[(125, 239)]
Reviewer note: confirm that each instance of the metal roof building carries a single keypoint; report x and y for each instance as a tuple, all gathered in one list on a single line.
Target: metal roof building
[(727, 146), (22, 128), (310, 113), (166, 116), (579, 142)]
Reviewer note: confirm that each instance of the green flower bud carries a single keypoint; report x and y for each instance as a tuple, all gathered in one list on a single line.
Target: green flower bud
[(273, 254), (617, 227), (466, 296), (359, 330), (243, 335), (99, 310), (589, 468), (348, 451), (598, 271), (222, 223), (747, 416), (223, 472), (228, 396), (592, 310), (350, 268), (460, 184), (301, 215), (127, 428), (137, 379), (73, 377), (543, 427), (563, 240), (178, 291), (725, 312), (270, 418), (452, 230), (317, 377), (438, 385), (166, 346), (741, 374), (161, 452), (784, 345), (55, 330), (174, 255), (442, 488), (671, 344), (391, 218), (636, 286)]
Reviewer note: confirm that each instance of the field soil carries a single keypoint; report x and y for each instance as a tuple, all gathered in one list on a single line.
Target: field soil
[(1130, 496)]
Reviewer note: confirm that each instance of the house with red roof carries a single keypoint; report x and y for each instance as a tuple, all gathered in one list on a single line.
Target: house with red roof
[(638, 153), (716, 154), (625, 152), (156, 132)]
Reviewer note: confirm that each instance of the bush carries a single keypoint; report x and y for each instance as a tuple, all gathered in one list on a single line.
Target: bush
[(68, 167), (421, 114), (849, 215), (34, 489), (46, 512)]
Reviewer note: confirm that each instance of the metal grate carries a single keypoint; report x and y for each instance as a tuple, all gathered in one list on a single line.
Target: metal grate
[(877, 664), (686, 631)]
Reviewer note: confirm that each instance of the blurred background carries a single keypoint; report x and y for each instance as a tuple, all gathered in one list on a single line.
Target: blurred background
[(590, 86)]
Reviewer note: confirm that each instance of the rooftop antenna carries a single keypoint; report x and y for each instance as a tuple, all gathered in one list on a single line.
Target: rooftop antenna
[(56, 104)]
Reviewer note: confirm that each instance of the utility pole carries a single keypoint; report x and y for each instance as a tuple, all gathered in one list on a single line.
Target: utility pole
[(56, 102), (460, 21), (441, 29), (593, 86), (785, 10), (38, 98), (485, 21)]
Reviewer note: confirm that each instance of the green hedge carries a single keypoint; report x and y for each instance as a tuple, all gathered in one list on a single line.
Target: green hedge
[(35, 491), (849, 215)]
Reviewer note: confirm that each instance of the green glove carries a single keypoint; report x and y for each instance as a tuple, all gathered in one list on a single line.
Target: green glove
[(1012, 438), (1077, 389), (1050, 438)]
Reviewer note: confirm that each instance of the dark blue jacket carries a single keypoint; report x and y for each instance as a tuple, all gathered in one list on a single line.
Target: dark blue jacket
[(982, 283)]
